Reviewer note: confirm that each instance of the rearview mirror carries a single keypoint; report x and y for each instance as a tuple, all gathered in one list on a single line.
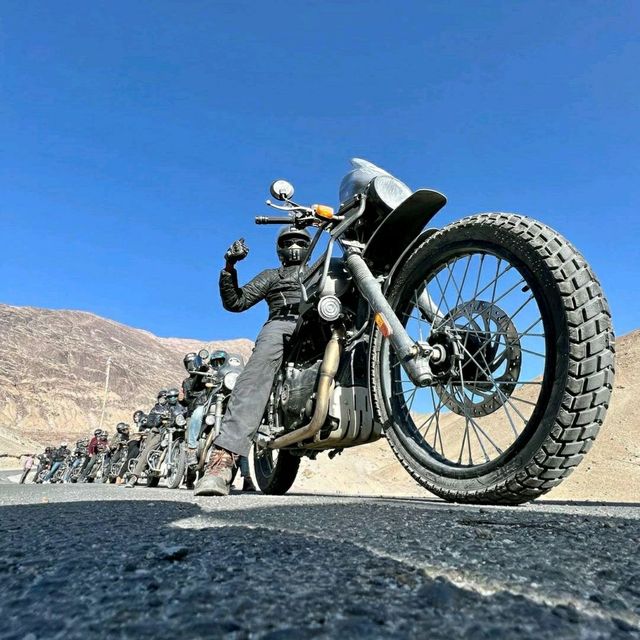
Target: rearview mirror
[(281, 190)]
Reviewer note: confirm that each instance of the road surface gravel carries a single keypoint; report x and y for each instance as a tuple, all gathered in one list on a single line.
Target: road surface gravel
[(99, 561)]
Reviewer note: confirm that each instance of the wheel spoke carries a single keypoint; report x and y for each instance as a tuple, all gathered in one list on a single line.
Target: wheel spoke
[(485, 321)]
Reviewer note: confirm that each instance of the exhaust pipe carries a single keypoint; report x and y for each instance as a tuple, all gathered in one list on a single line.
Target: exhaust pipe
[(328, 370)]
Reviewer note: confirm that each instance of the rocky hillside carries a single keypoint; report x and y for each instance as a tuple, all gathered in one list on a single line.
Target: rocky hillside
[(52, 372)]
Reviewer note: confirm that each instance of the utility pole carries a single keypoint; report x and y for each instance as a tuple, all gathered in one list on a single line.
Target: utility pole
[(106, 391)]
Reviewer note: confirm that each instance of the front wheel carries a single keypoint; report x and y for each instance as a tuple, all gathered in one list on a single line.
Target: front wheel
[(275, 471), (178, 465), (526, 349)]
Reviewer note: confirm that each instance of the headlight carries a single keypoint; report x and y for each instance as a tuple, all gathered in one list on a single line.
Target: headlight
[(235, 362), (210, 419), (180, 420), (203, 353), (230, 380)]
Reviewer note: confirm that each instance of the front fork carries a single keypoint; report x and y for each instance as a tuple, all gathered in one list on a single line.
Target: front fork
[(414, 357)]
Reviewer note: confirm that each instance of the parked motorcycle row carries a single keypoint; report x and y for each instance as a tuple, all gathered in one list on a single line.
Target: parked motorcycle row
[(157, 444)]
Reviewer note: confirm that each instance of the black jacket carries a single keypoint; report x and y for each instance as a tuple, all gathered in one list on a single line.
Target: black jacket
[(119, 439), (195, 391), (279, 287), (154, 419), (59, 454)]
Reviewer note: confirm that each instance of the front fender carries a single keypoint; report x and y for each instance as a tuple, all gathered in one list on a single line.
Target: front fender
[(401, 229), (404, 256)]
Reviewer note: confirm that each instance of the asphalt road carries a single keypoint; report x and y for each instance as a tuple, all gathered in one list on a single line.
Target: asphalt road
[(95, 561)]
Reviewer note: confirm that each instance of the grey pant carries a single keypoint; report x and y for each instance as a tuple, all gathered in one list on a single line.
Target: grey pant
[(153, 439), (251, 393)]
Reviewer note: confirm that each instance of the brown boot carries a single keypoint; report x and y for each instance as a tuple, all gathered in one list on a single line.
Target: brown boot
[(216, 480), (247, 484)]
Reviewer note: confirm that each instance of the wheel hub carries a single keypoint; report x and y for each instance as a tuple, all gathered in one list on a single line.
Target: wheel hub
[(484, 361)]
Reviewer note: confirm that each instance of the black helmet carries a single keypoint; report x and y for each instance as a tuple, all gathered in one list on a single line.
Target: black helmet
[(162, 394), (138, 415), (122, 427), (292, 245), (97, 432), (172, 395), (189, 361)]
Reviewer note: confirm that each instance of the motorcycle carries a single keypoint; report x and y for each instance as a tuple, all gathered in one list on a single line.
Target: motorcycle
[(100, 470), (221, 370), (74, 466), (42, 470), (483, 350), (117, 460), (168, 459), (58, 476)]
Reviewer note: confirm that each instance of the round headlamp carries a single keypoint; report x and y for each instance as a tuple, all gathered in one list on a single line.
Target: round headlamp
[(180, 420), (230, 380), (210, 419)]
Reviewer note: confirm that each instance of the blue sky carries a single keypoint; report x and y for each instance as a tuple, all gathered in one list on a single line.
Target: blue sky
[(138, 139)]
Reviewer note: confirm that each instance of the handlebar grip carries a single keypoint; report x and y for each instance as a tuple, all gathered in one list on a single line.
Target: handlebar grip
[(268, 220)]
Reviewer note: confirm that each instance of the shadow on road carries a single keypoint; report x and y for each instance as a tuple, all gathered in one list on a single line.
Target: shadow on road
[(588, 503), (374, 569)]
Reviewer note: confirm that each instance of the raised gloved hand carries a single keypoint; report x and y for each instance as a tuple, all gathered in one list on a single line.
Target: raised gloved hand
[(236, 252)]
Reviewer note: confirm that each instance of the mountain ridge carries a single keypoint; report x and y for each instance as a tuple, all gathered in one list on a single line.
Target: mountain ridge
[(52, 369)]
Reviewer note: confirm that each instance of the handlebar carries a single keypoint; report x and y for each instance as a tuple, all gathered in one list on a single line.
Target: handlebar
[(274, 220)]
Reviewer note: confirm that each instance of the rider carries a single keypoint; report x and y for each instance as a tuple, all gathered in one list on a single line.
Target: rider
[(77, 458), (97, 445), (167, 406), (281, 289), (44, 461), (120, 440), (195, 396), (57, 458), (26, 467), (135, 441)]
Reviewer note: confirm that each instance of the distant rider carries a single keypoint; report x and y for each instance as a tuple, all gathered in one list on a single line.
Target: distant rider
[(58, 456), (135, 441), (78, 457), (26, 467), (281, 289), (44, 462), (98, 445), (119, 441), (167, 410)]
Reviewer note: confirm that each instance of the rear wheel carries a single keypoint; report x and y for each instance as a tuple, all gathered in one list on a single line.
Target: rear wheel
[(275, 471), (528, 369)]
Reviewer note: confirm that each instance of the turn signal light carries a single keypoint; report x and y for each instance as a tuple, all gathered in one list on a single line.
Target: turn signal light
[(383, 325), (323, 211)]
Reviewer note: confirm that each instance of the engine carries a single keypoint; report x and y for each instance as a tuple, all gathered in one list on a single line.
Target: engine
[(297, 395), (350, 420)]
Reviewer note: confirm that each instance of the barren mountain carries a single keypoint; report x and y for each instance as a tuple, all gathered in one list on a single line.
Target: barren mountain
[(52, 372)]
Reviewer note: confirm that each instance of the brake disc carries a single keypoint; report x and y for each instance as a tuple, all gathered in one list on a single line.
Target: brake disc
[(488, 370)]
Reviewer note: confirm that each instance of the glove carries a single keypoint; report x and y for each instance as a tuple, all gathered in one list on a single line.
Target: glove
[(236, 252)]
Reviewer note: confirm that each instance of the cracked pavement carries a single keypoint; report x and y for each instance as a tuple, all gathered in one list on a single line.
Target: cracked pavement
[(99, 561)]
